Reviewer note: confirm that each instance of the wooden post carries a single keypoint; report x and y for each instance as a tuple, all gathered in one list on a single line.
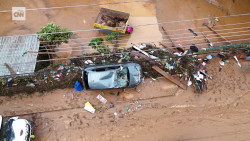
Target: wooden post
[(169, 77)]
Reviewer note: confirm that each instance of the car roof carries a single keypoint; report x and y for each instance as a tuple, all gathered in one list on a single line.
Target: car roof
[(101, 80)]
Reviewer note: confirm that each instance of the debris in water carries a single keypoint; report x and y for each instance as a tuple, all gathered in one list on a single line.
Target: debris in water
[(102, 99)]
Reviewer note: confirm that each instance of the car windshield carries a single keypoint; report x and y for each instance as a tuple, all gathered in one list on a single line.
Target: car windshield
[(122, 77)]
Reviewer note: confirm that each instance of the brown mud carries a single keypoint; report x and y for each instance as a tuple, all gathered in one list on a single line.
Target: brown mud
[(158, 110)]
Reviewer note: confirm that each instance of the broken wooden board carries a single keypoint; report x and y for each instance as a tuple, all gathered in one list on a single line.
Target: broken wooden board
[(168, 76), (136, 53)]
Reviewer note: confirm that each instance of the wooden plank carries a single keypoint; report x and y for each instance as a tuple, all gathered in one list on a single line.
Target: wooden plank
[(137, 53), (168, 76)]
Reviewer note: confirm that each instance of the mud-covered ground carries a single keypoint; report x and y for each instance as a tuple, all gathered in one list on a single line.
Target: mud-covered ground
[(158, 110)]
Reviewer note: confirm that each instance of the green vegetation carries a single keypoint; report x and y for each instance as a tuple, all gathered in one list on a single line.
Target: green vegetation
[(97, 43), (53, 39), (112, 37)]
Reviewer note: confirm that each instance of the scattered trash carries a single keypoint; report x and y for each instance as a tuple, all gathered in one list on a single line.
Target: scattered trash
[(102, 93), (9, 79), (111, 93), (55, 68), (237, 61), (116, 116), (59, 75), (175, 86), (16, 106), (87, 62), (78, 86), (102, 99), (112, 105), (221, 63), (248, 57), (64, 96), (153, 78), (60, 68), (127, 108), (209, 57), (118, 93), (216, 19), (72, 96), (192, 32), (143, 80), (30, 85), (189, 83), (89, 107)]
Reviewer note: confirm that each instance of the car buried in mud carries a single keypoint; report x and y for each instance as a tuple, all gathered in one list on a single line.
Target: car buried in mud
[(16, 129), (112, 76)]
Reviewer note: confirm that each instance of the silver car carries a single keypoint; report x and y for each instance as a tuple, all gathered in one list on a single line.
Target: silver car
[(112, 76)]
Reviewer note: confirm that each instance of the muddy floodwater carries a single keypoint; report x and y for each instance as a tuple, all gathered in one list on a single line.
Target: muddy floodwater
[(142, 13), (219, 114)]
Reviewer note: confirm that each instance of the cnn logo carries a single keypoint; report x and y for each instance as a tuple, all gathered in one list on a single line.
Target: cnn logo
[(18, 13)]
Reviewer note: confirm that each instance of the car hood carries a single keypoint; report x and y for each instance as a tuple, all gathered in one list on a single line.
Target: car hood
[(134, 75)]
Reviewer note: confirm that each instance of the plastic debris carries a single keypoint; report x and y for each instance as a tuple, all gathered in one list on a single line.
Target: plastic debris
[(89, 107), (59, 75), (78, 86), (189, 83), (116, 116), (153, 78), (30, 85), (127, 108), (87, 62), (55, 68), (102, 99), (9, 79), (72, 96), (60, 68), (175, 86), (143, 80), (209, 57), (237, 61), (221, 63), (102, 93), (64, 96)]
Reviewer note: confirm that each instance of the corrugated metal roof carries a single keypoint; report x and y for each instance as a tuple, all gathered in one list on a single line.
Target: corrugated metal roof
[(11, 51)]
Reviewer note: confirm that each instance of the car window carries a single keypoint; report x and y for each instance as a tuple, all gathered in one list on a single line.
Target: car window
[(99, 69), (112, 68)]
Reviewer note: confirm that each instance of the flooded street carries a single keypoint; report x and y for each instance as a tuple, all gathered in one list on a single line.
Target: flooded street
[(157, 109)]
